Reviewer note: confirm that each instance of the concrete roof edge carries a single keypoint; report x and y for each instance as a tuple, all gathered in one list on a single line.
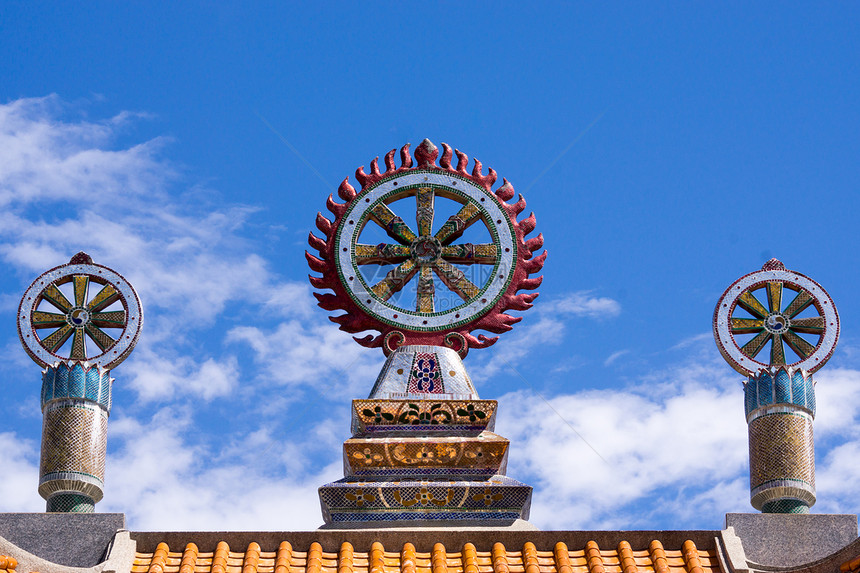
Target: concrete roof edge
[(828, 564), (119, 560)]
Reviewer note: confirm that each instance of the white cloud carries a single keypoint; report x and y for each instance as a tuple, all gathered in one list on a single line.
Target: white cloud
[(614, 457), (837, 477), (20, 474), (615, 356), (45, 159), (155, 378), (546, 325), (837, 440), (581, 303), (66, 186), (294, 353), (837, 398), (258, 482), (693, 341)]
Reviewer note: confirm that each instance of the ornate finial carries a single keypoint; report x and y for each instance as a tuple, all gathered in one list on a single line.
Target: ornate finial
[(81, 259), (797, 319), (77, 334), (448, 303), (103, 325), (426, 154), (772, 307), (773, 265), (424, 290)]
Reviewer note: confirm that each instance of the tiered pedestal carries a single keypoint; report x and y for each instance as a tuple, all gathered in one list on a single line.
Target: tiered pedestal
[(425, 457)]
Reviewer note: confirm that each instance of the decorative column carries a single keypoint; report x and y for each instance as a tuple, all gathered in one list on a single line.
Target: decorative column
[(795, 319), (77, 333), (423, 448)]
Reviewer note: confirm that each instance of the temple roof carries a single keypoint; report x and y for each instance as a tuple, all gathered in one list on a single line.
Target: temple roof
[(750, 543), (622, 558)]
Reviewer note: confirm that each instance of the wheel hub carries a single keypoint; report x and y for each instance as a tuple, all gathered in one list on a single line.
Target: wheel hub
[(78, 317), (425, 250), (776, 323)]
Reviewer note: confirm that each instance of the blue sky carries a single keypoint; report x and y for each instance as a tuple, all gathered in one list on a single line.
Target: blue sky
[(665, 150)]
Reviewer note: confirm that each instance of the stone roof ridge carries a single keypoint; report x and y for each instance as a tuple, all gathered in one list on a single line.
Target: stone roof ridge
[(734, 559), (120, 558)]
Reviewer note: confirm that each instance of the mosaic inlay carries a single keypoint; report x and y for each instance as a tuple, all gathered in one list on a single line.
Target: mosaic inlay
[(781, 448), (80, 380), (766, 309), (402, 371), (77, 321), (779, 386), (425, 376), (424, 290), (98, 319), (458, 287), (500, 498), (777, 326), (485, 452), (72, 438), (441, 415)]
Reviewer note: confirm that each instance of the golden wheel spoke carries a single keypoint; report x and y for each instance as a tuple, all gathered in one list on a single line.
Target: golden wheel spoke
[(79, 347), (380, 254), (751, 304), (800, 302), (457, 223), (113, 319), (102, 339), (48, 319), (747, 325), (469, 254), (392, 224), (106, 297), (455, 280), (395, 280), (426, 290), (799, 345), (82, 284), (811, 325), (754, 346), (425, 200), (58, 338), (53, 295), (777, 351), (774, 296)]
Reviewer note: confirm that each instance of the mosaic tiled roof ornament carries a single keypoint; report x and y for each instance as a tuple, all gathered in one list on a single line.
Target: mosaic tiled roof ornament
[(77, 321), (777, 327), (424, 258), (423, 447)]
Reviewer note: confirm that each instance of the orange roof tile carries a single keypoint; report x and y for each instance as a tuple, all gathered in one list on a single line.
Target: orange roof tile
[(852, 566), (501, 559), (8, 563)]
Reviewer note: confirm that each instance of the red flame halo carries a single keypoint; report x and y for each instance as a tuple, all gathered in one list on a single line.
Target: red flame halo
[(494, 319)]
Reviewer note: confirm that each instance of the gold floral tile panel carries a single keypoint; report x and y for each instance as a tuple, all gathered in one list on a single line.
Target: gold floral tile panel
[(373, 415), (486, 451)]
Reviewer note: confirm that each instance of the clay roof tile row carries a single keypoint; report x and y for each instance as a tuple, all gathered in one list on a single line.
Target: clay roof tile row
[(590, 559)]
